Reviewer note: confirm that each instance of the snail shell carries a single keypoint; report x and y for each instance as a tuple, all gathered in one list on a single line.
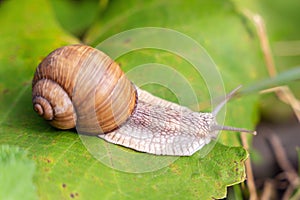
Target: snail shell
[(80, 86), (55, 80)]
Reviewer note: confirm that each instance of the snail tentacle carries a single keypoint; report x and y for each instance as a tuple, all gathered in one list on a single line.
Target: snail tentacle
[(79, 86)]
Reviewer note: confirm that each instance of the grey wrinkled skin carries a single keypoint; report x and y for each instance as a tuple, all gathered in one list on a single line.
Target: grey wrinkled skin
[(163, 128)]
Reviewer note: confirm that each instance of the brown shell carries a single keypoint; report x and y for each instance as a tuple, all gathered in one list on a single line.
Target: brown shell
[(83, 86)]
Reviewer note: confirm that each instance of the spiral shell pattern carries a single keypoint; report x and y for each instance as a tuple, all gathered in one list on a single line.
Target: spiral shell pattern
[(80, 86), (59, 111)]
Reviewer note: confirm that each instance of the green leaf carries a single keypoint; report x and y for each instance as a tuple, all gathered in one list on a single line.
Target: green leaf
[(225, 33), (281, 79), (281, 20), (77, 16), (64, 166), (16, 178), (29, 32)]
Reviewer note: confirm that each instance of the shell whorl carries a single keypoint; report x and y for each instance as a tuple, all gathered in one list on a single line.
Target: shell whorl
[(58, 111), (84, 87)]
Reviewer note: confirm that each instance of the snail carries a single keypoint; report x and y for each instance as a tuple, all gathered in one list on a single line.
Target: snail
[(80, 86)]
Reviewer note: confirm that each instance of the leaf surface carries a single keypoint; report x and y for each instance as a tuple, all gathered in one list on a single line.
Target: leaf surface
[(65, 169)]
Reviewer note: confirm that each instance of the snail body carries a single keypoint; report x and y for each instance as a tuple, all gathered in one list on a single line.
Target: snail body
[(80, 86)]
